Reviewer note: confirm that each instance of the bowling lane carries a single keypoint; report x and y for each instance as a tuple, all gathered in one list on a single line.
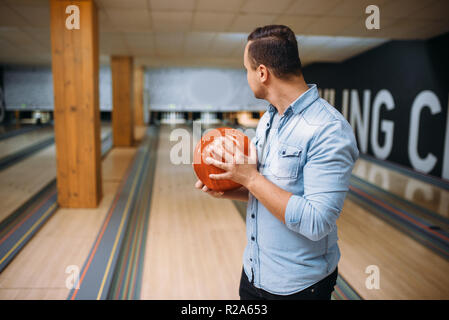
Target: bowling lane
[(407, 269), (39, 270), (7, 130), (26, 178), (195, 243), (20, 142), (421, 193)]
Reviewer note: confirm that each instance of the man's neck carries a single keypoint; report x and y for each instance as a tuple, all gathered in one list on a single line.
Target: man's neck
[(285, 93)]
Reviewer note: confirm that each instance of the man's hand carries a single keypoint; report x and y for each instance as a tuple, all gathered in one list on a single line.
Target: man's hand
[(237, 166), (201, 186), (243, 169)]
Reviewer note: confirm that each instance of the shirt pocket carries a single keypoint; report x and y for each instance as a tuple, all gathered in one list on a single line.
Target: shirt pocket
[(285, 163)]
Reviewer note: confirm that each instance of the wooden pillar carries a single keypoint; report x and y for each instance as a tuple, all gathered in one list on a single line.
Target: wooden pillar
[(138, 96), (122, 101), (75, 66)]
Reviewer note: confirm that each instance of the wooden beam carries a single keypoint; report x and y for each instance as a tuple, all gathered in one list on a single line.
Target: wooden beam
[(138, 96), (75, 67), (122, 100)]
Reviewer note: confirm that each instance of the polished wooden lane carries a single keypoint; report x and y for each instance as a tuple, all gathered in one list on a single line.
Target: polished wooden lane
[(26, 178), (408, 270), (17, 143), (23, 180), (421, 193), (39, 270), (195, 243)]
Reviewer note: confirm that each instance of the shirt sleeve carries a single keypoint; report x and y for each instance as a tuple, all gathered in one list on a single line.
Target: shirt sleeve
[(330, 159)]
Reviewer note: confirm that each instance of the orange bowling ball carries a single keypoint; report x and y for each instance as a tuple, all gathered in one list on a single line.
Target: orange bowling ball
[(203, 150)]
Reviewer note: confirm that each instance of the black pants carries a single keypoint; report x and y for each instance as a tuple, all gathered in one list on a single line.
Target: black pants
[(321, 290)]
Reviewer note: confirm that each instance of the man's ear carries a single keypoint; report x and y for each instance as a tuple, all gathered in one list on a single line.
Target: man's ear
[(262, 71)]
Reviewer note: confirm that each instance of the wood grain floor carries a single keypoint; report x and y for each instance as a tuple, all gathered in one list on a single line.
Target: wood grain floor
[(23, 180), (14, 144), (407, 269), (195, 243), (424, 194), (39, 270)]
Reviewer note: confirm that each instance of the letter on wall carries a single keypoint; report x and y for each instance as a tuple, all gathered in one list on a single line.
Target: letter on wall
[(383, 97), (424, 99), (361, 126)]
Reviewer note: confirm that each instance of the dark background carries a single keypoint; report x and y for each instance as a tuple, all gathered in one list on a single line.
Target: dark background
[(404, 68)]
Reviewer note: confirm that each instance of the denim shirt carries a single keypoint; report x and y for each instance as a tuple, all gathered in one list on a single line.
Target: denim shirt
[(310, 153)]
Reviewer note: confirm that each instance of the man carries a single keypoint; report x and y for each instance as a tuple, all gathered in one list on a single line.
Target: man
[(295, 190)]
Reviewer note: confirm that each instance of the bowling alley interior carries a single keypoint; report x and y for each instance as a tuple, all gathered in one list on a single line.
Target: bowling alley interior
[(103, 104)]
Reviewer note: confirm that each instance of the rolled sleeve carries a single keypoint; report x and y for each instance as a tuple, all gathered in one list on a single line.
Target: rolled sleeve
[(293, 211), (327, 171), (312, 218)]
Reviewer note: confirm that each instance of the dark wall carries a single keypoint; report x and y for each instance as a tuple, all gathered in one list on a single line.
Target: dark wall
[(405, 69), (2, 100), (1, 76)]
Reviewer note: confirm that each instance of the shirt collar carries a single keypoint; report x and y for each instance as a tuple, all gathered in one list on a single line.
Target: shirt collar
[(302, 102)]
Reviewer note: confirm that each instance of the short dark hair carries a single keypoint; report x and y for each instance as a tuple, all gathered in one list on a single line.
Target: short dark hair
[(276, 47)]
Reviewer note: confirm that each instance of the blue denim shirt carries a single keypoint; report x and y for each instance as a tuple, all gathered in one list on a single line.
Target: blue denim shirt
[(311, 154)]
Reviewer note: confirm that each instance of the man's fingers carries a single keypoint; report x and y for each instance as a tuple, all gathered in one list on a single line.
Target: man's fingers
[(217, 163), (235, 146), (216, 152), (199, 184), (220, 176), (219, 153), (230, 144), (212, 193), (216, 194)]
